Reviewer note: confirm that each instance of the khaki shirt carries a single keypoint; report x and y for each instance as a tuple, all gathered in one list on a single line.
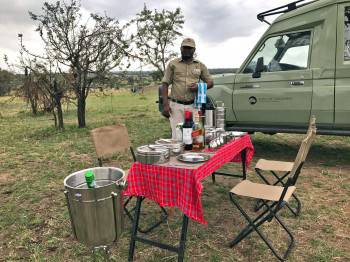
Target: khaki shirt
[(181, 75)]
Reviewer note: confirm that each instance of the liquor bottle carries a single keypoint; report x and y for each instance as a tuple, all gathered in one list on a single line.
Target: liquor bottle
[(90, 179), (187, 130), (198, 132), (201, 139)]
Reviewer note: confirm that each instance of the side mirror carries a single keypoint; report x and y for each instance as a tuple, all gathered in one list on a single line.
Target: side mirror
[(259, 68)]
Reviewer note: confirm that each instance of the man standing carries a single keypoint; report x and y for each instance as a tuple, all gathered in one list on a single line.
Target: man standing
[(183, 74)]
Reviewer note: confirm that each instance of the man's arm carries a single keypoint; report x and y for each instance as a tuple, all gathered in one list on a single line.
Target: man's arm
[(166, 81), (166, 108), (210, 83)]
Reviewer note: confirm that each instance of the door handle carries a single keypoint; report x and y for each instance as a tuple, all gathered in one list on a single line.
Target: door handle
[(297, 83), (250, 86)]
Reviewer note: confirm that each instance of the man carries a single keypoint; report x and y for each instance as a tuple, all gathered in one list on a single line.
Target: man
[(183, 74)]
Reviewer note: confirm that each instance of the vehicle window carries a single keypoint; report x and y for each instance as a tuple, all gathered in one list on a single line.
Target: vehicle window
[(347, 34), (283, 53)]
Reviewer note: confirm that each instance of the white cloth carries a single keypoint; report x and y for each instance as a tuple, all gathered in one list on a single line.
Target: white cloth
[(177, 115)]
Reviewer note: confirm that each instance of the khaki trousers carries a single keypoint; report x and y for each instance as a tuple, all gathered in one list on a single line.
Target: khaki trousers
[(177, 115)]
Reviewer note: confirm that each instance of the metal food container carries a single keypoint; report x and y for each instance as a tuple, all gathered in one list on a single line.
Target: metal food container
[(210, 134), (152, 154), (209, 118), (220, 116), (96, 214), (174, 146)]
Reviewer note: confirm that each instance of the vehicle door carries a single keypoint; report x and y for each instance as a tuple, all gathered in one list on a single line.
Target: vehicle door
[(342, 81), (282, 95)]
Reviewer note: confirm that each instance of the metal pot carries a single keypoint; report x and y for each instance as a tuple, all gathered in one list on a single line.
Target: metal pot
[(96, 214), (174, 146), (152, 154)]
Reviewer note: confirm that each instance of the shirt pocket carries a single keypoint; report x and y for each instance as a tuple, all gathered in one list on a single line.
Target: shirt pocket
[(196, 72)]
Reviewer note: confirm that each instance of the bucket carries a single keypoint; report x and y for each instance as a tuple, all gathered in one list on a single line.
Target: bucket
[(96, 214)]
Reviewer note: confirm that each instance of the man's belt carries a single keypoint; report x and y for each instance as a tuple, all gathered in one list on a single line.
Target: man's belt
[(182, 102)]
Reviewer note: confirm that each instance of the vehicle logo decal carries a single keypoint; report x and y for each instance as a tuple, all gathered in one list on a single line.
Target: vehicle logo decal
[(252, 100)]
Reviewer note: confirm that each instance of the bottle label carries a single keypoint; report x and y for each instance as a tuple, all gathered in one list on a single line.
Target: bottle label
[(196, 133), (187, 136)]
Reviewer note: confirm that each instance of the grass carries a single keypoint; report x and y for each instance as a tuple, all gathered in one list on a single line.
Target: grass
[(35, 158)]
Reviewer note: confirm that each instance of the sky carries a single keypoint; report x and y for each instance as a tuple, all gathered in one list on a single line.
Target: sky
[(225, 31)]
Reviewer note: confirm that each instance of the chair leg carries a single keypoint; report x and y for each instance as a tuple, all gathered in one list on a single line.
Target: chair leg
[(254, 226), (213, 177), (296, 211), (163, 218)]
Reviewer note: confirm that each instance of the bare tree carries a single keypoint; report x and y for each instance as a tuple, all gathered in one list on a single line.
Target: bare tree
[(156, 33), (89, 48)]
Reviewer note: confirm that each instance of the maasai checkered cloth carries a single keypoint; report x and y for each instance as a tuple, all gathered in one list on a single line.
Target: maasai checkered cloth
[(181, 187)]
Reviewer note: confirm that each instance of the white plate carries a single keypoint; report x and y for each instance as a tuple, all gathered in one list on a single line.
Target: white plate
[(237, 133), (193, 157)]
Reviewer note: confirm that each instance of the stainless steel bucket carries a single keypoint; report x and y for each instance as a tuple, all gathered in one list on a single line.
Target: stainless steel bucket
[(96, 214)]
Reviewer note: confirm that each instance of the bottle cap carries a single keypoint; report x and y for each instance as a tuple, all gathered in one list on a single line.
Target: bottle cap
[(188, 114)]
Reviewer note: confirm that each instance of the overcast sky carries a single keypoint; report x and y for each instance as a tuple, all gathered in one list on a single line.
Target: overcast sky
[(225, 30)]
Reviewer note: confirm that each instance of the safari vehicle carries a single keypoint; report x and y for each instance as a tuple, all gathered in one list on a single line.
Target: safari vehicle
[(299, 68)]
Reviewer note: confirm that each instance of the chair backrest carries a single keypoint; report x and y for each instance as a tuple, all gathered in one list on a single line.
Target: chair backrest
[(312, 123), (298, 162), (303, 152), (110, 140)]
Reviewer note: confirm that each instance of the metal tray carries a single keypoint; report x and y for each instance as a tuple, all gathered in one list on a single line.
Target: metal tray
[(193, 157)]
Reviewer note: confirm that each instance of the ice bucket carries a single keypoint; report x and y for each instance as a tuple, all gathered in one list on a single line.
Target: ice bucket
[(96, 214)]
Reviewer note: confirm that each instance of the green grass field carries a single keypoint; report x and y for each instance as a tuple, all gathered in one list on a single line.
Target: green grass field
[(35, 158)]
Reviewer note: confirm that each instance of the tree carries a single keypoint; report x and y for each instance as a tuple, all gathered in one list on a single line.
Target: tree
[(6, 80), (88, 48), (156, 33)]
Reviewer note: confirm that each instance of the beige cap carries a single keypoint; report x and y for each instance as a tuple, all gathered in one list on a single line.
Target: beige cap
[(188, 42)]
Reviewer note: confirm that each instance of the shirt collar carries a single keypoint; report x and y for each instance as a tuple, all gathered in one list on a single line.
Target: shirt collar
[(194, 60)]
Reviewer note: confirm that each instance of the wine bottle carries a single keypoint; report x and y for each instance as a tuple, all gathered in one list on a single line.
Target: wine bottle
[(187, 131)]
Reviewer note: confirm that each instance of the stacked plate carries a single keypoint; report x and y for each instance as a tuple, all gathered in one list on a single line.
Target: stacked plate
[(175, 147)]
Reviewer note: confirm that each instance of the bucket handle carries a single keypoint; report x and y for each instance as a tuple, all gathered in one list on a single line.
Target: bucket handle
[(114, 199), (122, 183), (70, 214)]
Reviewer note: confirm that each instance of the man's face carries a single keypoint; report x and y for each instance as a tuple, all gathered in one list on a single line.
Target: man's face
[(187, 52)]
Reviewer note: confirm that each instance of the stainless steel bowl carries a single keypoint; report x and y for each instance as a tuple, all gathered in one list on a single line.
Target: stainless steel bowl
[(152, 154)]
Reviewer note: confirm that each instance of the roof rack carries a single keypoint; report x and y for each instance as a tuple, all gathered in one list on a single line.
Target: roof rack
[(282, 9)]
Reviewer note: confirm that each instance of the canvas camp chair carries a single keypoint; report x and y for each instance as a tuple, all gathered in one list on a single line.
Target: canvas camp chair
[(264, 167), (273, 198), (110, 141)]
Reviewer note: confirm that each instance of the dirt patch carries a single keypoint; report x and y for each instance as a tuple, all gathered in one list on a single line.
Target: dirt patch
[(5, 178)]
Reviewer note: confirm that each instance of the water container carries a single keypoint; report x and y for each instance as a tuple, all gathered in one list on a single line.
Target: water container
[(96, 214)]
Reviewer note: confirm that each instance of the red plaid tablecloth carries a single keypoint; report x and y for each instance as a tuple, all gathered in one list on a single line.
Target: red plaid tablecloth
[(181, 187)]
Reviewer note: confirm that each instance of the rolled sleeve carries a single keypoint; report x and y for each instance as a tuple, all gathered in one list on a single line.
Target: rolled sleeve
[(205, 75), (168, 75)]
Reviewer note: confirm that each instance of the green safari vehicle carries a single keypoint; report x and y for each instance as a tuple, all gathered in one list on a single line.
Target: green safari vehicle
[(300, 67)]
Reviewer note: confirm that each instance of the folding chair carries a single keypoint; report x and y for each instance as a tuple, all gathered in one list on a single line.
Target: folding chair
[(274, 198), (109, 141), (281, 166)]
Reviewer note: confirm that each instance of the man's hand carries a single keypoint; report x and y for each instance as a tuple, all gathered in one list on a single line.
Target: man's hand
[(194, 88), (166, 110)]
